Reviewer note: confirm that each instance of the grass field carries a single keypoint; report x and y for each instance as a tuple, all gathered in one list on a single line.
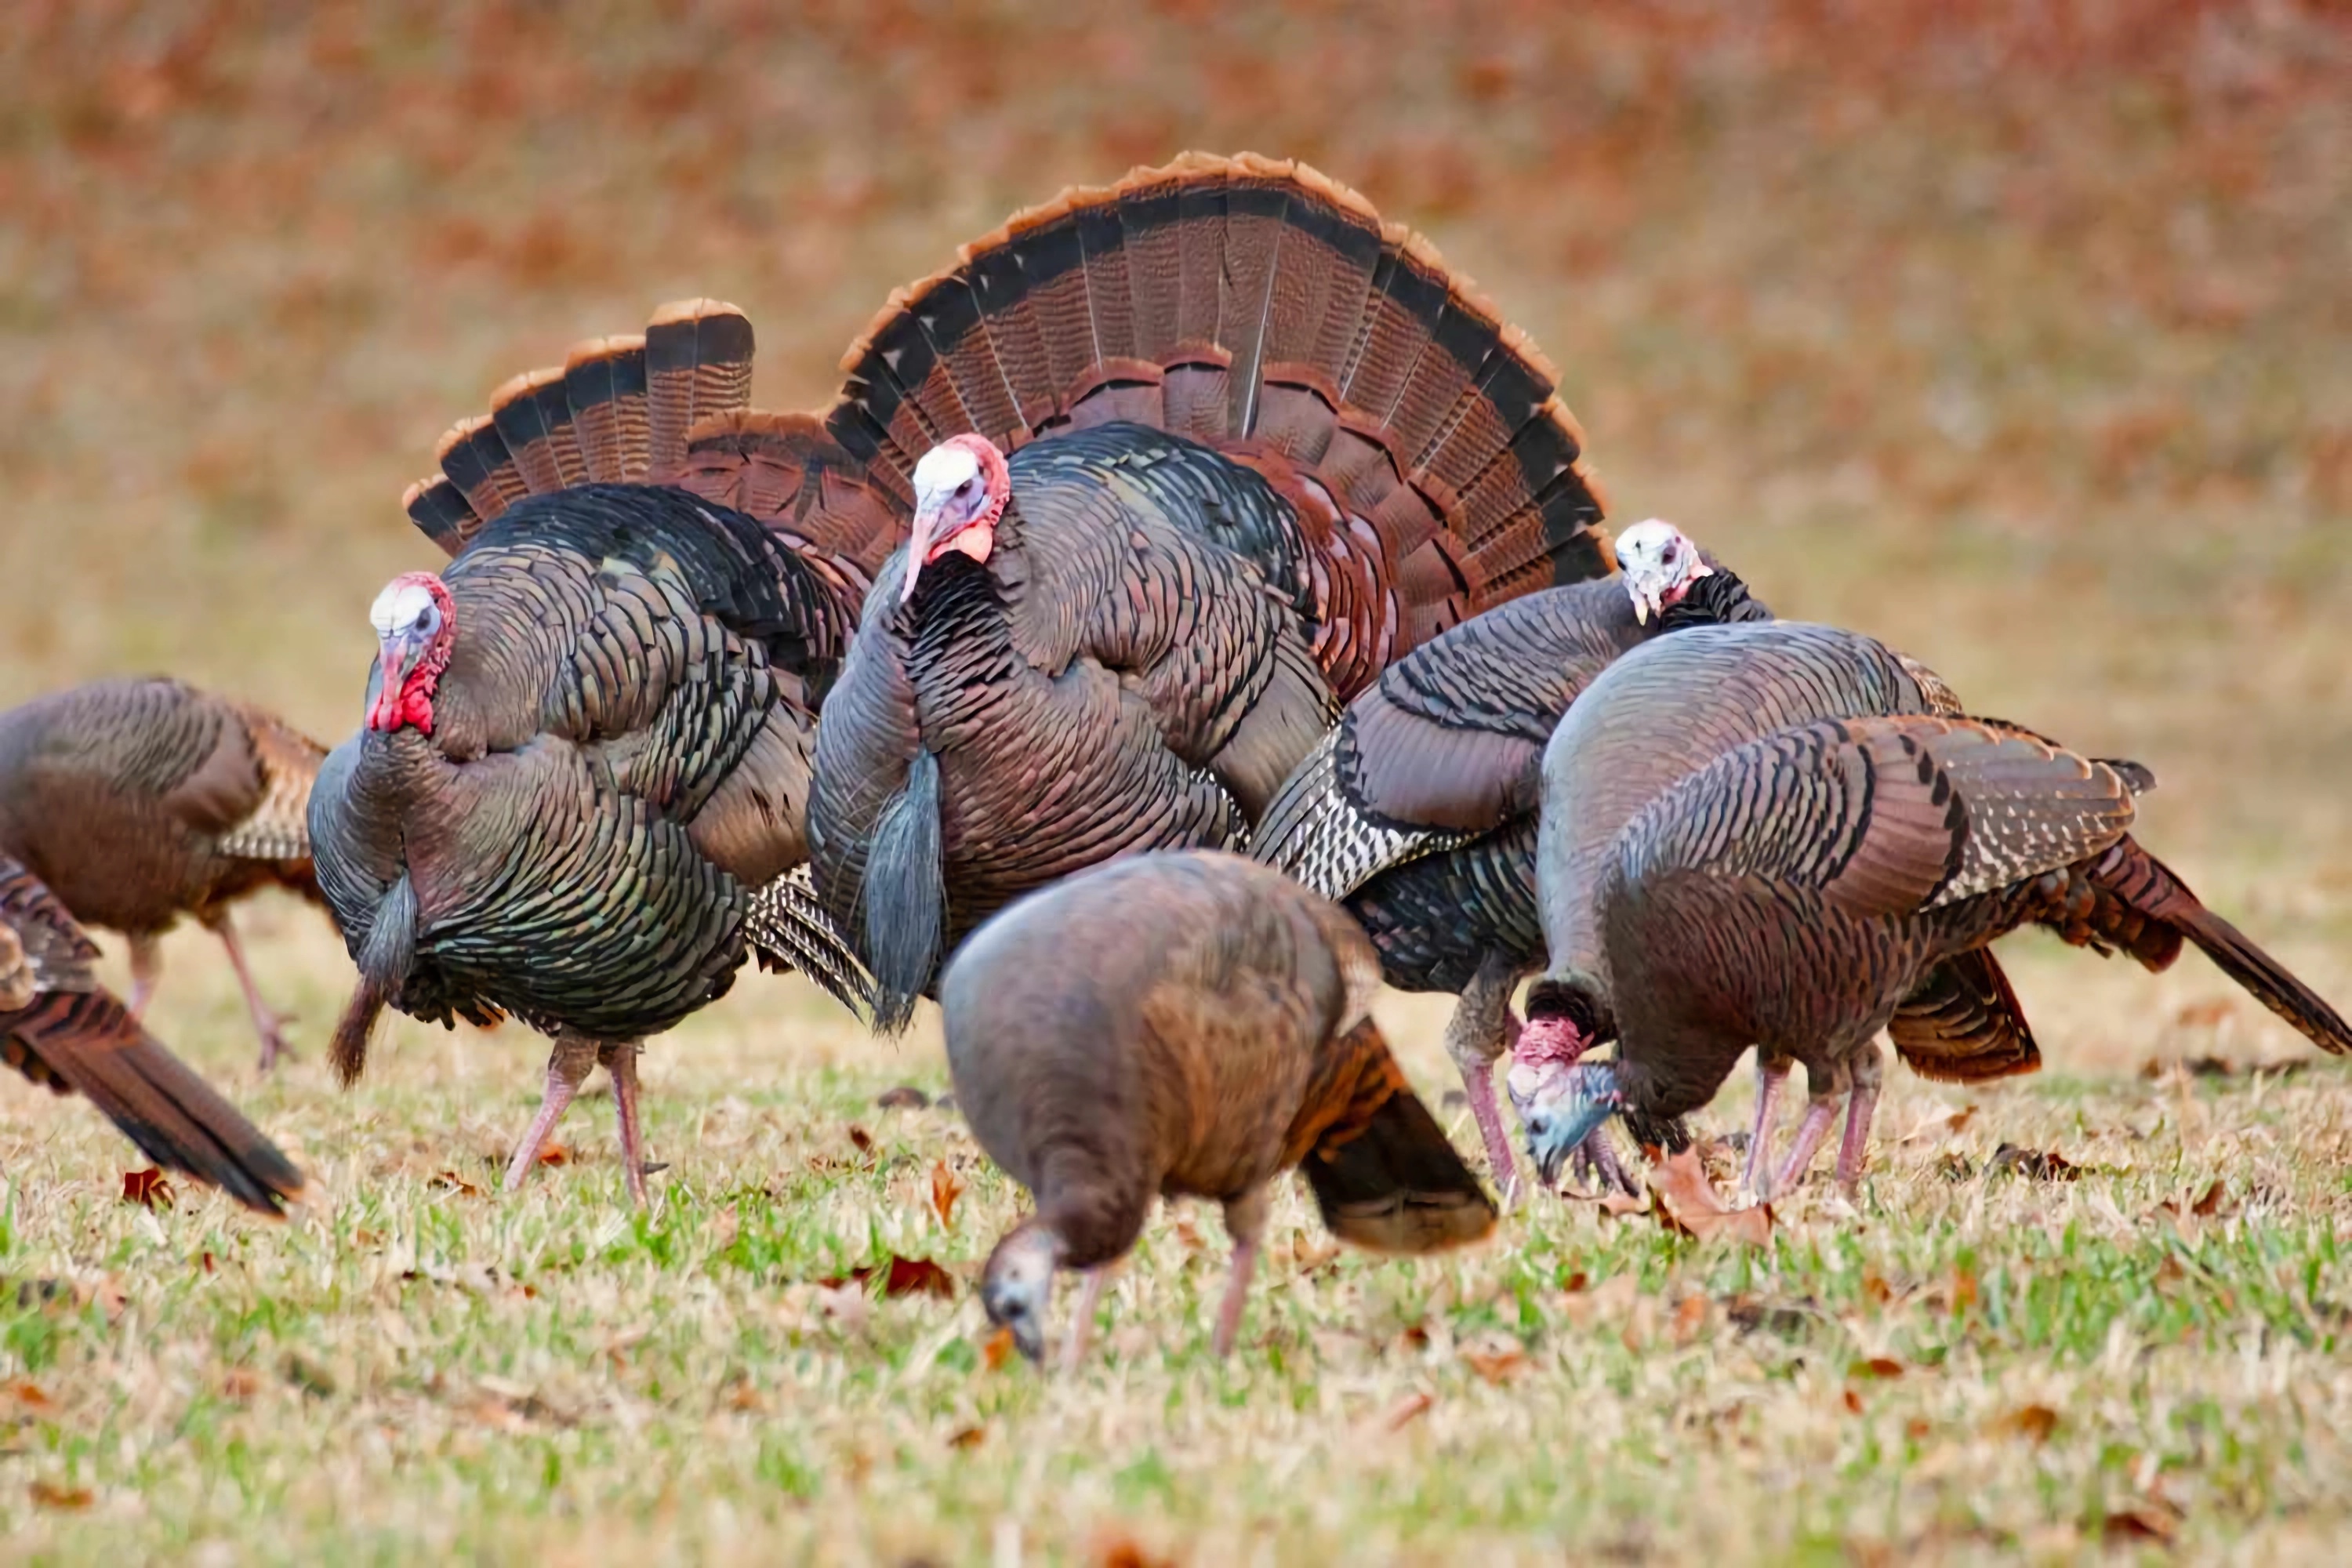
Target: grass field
[(2017, 340)]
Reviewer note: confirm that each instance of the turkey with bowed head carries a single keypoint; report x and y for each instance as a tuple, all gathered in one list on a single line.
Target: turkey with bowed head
[(1190, 459), (1761, 835), (137, 802), (59, 1028), (579, 795), (1418, 811), (1185, 1025)]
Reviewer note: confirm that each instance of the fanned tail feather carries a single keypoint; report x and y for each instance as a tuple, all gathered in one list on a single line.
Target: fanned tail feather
[(788, 928)]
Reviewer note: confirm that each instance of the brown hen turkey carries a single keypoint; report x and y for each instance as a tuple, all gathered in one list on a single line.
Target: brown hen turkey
[(579, 795), (62, 1030), (1185, 1025), (1757, 836), (137, 802), (1190, 461)]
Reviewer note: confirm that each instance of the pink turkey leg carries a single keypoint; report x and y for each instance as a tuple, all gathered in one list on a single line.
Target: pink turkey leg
[(1859, 1108), (266, 1023), (1770, 1078), (1082, 1327), (1810, 1133), (146, 968), (567, 1068), (1245, 1222), (621, 1061), (1481, 1030)]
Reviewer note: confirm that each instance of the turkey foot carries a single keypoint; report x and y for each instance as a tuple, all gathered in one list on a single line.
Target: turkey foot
[(146, 970), (1245, 1223), (1861, 1103), (1771, 1077), (1082, 1326), (1481, 1030), (266, 1023), (568, 1066)]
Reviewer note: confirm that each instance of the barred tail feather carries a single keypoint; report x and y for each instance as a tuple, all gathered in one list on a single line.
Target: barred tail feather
[(788, 928)]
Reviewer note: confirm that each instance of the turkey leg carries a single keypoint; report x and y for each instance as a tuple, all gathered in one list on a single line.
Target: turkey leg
[(1771, 1077), (1482, 1028), (1245, 1223), (266, 1023), (1082, 1327), (621, 1061), (146, 968), (568, 1066), (1819, 1112), (1859, 1107)]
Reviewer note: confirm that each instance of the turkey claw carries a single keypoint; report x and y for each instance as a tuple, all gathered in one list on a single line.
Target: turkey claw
[(1596, 1161)]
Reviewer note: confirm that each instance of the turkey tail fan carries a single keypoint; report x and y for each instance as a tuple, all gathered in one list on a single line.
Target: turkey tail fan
[(697, 366), (442, 513), (788, 928), (788, 472), (604, 384), (905, 892), (85, 1041), (1263, 308), (1387, 1179), (475, 456), (2148, 886), (1964, 1023), (533, 416)]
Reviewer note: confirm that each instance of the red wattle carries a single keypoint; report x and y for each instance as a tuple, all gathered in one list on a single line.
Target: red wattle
[(1545, 1042)]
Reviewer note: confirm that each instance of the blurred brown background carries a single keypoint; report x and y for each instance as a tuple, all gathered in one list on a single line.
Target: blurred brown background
[(2016, 335)]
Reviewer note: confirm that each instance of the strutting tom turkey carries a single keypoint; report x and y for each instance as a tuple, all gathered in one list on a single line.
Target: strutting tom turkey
[(1757, 836), (141, 801), (1190, 461), (1418, 811), (579, 795), (61, 1028), (1189, 1026)]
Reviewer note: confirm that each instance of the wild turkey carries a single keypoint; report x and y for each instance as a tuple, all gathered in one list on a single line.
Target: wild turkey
[(141, 801), (1418, 811), (1185, 1025), (61, 1028), (1795, 879), (579, 794), (1260, 445)]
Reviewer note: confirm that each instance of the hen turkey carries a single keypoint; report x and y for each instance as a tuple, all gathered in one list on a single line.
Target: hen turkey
[(1185, 1025), (137, 802)]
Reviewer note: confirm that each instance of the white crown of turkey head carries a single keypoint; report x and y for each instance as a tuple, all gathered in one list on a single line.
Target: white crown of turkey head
[(1660, 564), (961, 487), (405, 604)]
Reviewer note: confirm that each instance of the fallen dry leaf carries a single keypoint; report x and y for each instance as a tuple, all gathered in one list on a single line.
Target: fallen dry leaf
[(240, 1383), (969, 1438), (2205, 1207), (1497, 1358), (1940, 1124), (862, 1138), (997, 1350), (30, 1394), (946, 1187), (553, 1154), (1853, 1403), (899, 1277), (1406, 1411), (1311, 1250), (2125, 1524), (451, 1180), (1125, 1551), (70, 1499), (1690, 1317), (1687, 1201), (147, 1187), (905, 1096), (1877, 1366), (2033, 1423), (2033, 1164)]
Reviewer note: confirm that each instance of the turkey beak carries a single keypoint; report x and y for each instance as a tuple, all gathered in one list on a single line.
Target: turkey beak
[(1560, 1107), (1009, 1308), (1648, 591), (918, 548)]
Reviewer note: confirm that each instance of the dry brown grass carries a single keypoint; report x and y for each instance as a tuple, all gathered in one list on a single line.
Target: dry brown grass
[(2017, 340)]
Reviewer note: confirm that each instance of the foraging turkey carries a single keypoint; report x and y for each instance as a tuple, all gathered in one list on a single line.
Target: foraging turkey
[(1185, 1025), (1792, 877), (1418, 811), (1190, 459), (141, 801), (578, 798), (61, 1028)]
